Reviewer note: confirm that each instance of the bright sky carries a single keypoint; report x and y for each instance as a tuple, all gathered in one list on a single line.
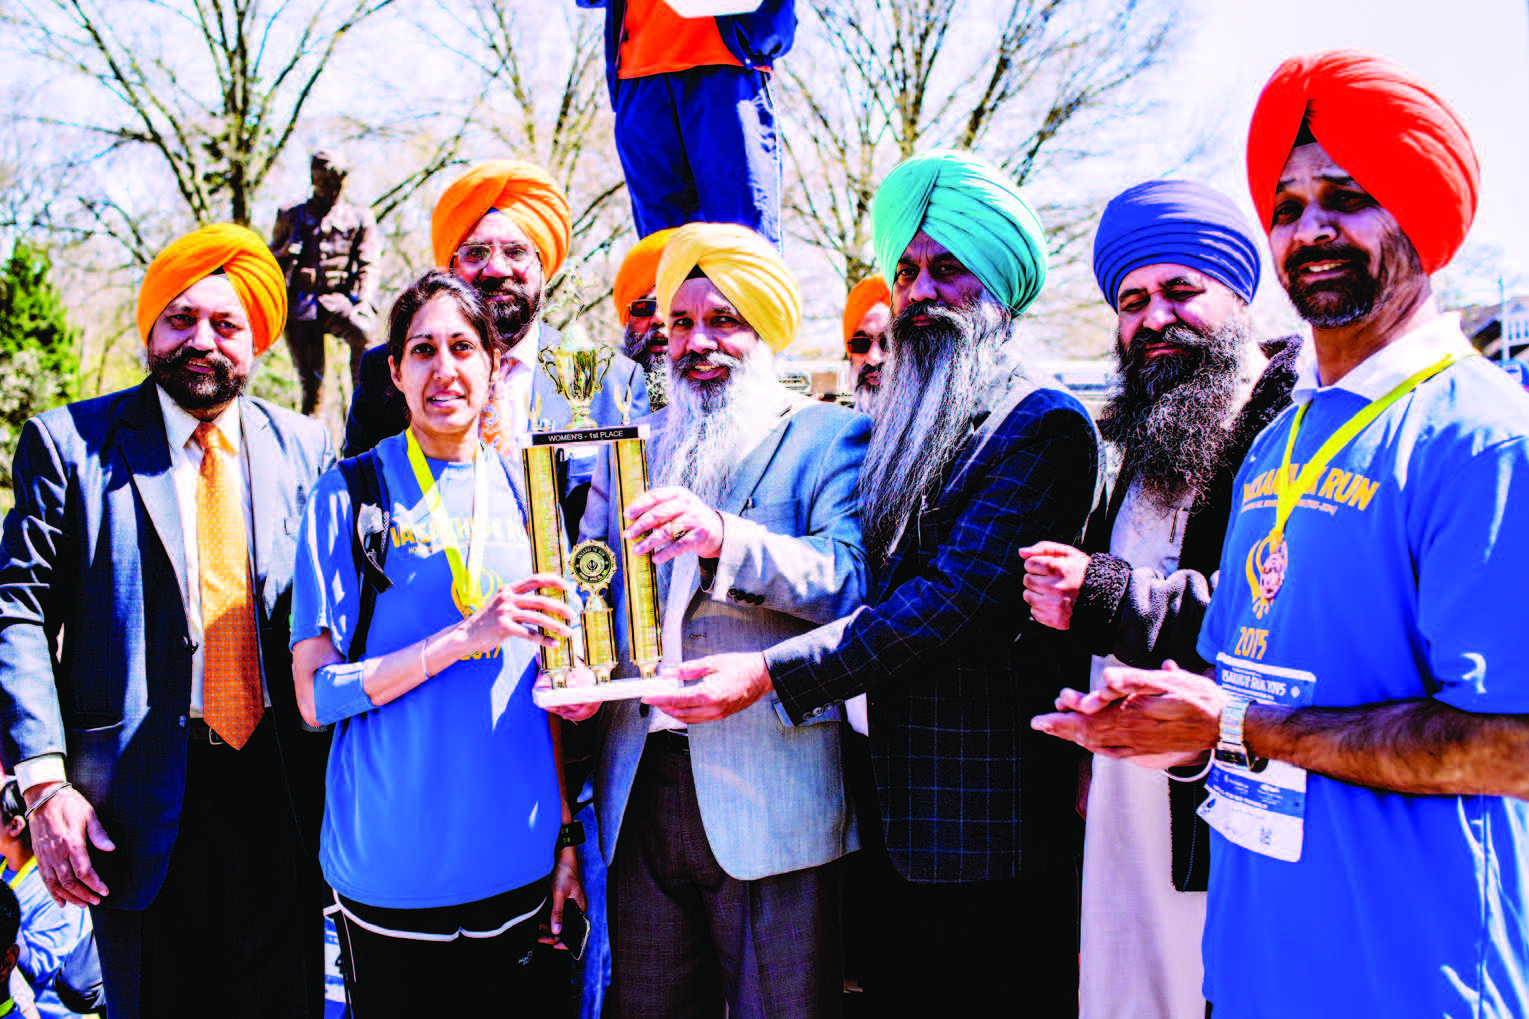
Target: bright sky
[(1474, 52)]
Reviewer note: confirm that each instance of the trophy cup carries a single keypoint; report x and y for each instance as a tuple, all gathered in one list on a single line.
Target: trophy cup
[(577, 367)]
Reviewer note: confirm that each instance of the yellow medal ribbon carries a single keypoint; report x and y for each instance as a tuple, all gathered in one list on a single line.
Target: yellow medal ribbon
[(1275, 556), (466, 577)]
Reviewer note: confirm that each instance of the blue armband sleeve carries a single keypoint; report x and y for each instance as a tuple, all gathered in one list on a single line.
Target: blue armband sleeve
[(338, 692)]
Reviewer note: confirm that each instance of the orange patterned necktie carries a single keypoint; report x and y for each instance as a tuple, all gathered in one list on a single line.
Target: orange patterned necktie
[(231, 698)]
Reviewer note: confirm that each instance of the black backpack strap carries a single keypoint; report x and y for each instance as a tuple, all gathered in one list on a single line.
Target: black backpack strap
[(369, 538)]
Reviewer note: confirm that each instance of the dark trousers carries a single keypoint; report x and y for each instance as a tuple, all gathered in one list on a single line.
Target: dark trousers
[(1005, 947), (393, 976), (700, 146), (688, 939), (305, 341), (236, 929)]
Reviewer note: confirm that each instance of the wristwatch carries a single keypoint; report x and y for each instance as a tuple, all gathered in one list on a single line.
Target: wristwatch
[(1230, 749), (570, 834)]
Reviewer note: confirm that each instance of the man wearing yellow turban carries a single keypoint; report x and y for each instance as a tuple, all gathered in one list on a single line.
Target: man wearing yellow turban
[(155, 528), (970, 461), (505, 227), (635, 293), (728, 829)]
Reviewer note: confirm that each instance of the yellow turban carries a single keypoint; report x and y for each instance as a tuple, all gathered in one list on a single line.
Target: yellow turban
[(744, 267), (638, 271), (864, 296), (521, 191), (244, 259)]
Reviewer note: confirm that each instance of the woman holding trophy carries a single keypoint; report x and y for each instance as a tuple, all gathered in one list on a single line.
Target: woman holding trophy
[(446, 829)]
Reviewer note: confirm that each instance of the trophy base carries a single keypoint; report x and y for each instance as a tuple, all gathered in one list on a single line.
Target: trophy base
[(599, 693)]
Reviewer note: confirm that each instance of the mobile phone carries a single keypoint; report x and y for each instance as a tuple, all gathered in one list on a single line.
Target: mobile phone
[(575, 932)]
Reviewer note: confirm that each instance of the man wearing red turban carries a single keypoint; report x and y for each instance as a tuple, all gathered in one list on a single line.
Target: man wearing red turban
[(171, 785), (505, 227), (1369, 711)]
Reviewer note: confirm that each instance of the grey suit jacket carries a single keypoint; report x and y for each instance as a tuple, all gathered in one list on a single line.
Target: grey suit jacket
[(771, 794), (95, 658)]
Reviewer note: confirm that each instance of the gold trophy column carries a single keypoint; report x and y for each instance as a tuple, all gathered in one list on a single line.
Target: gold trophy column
[(544, 524), (643, 617)]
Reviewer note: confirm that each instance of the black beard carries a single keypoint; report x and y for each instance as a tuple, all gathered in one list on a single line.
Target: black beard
[(194, 390), (635, 345), (1169, 419), (864, 379), (1330, 304), (511, 317)]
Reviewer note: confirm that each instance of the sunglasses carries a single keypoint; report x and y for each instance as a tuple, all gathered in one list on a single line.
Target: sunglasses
[(858, 344), (645, 307)]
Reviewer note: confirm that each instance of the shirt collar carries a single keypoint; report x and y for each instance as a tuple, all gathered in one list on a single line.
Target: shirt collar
[(1379, 373), (179, 424), (526, 350)]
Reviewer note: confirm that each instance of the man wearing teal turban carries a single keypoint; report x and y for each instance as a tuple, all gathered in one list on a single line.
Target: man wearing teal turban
[(969, 461), (969, 207)]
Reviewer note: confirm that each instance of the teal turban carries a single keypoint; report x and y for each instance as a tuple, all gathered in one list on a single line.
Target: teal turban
[(969, 206)]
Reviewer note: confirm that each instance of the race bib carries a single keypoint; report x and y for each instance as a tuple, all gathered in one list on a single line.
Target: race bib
[(1264, 810)]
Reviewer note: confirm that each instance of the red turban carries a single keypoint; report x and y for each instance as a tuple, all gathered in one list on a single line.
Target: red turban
[(639, 271), (244, 259), (521, 191), (864, 296), (1394, 136)]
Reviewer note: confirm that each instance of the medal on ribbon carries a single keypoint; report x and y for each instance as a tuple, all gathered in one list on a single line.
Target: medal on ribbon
[(1268, 561), (467, 589)]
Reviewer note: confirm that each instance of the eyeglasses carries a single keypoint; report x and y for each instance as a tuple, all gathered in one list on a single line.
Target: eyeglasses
[(645, 307), (476, 256), (861, 344)]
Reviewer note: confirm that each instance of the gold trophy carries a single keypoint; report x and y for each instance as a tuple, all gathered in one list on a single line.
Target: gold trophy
[(577, 367)]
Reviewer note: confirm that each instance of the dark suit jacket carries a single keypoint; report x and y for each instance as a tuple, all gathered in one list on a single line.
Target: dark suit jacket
[(95, 658), (953, 664)]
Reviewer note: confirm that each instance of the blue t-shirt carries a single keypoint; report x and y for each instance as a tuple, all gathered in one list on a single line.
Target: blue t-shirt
[(49, 932), (1406, 578), (449, 793)]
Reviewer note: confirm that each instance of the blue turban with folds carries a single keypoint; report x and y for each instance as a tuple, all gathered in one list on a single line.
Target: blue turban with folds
[(1178, 223), (969, 206)]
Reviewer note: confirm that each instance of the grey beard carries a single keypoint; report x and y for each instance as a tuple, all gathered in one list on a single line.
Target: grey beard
[(712, 427), (1170, 418), (865, 399), (655, 369), (929, 392)]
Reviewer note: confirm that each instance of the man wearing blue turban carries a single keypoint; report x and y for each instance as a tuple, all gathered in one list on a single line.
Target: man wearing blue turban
[(1178, 263), (969, 460)]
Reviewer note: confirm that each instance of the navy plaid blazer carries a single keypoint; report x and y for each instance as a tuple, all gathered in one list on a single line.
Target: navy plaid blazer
[(953, 664)]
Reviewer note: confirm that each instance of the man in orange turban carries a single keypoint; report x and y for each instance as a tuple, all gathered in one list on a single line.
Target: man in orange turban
[(159, 746), (504, 227), (636, 295), (1369, 711), (867, 314)]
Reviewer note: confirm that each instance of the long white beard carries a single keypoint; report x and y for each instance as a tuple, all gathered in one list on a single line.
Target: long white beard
[(929, 391), (711, 431)]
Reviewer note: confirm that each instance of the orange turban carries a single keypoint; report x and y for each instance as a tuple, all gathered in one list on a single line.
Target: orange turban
[(1399, 141), (244, 259), (638, 271), (864, 296), (521, 191)]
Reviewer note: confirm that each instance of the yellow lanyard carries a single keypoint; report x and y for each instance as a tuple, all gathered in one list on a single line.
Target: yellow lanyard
[(20, 875), (1290, 492), (465, 577)]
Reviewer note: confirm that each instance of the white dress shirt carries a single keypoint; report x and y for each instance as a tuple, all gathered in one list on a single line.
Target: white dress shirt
[(185, 470)]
